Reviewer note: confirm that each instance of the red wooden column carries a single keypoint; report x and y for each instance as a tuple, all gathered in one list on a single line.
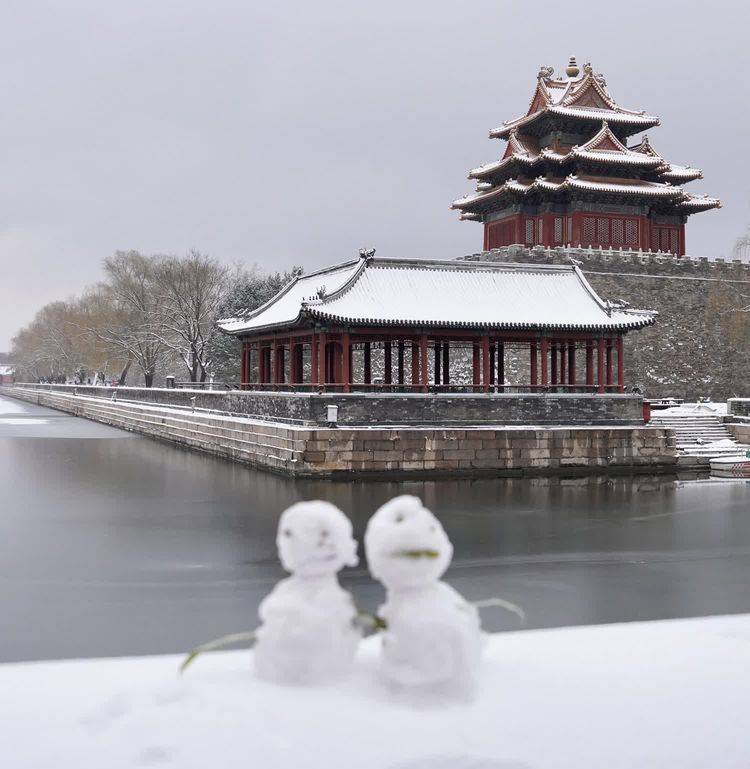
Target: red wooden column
[(388, 364), (563, 363), (423, 361), (243, 365), (415, 362), (437, 366), (600, 355), (446, 363), (400, 363), (314, 366), (608, 358), (589, 363), (346, 361), (486, 362), (368, 363), (322, 368), (553, 361), (572, 362), (533, 364), (500, 363), (620, 366), (274, 363), (261, 364), (476, 366), (280, 364), (492, 363), (545, 375)]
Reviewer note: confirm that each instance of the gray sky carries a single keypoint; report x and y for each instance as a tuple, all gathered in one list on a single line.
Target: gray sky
[(295, 132)]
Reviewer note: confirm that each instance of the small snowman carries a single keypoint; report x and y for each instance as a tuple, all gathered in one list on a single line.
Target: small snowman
[(307, 632), (433, 638)]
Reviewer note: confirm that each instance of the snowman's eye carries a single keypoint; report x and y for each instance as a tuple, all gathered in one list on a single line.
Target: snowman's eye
[(432, 528), (399, 518), (324, 533), (287, 532)]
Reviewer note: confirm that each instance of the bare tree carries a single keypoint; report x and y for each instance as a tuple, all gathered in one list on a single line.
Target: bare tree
[(130, 303), (191, 292)]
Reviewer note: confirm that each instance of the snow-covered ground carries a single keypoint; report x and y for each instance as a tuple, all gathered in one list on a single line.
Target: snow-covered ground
[(659, 694), (694, 409)]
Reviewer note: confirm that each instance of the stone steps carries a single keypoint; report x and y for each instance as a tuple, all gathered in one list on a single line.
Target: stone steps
[(694, 432)]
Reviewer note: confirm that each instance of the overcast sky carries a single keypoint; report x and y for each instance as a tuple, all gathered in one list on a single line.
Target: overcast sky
[(284, 133)]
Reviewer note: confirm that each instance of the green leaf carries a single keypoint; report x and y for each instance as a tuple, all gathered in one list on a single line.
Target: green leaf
[(500, 603), (219, 643)]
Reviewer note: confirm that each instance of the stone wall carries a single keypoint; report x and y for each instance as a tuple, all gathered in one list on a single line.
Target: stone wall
[(385, 452), (700, 344), (398, 409)]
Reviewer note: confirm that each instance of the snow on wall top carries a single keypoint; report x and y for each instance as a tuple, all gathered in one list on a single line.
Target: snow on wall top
[(411, 292)]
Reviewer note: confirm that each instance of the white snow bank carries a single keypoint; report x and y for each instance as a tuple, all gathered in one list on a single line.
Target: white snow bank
[(694, 409), (659, 694)]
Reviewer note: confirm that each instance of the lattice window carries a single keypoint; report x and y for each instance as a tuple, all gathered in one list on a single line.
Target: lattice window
[(664, 239), (602, 231), (530, 232), (540, 230), (589, 230), (673, 243), (655, 239), (558, 230), (569, 234), (618, 236), (631, 232)]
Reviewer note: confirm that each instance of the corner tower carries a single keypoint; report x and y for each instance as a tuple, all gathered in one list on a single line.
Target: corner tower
[(568, 175)]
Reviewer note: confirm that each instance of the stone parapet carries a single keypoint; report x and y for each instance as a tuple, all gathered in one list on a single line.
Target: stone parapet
[(387, 451), (390, 409)]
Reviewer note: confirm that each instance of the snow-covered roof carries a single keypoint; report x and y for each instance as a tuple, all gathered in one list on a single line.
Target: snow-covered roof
[(414, 292), (7, 370), (584, 96), (630, 187), (284, 308)]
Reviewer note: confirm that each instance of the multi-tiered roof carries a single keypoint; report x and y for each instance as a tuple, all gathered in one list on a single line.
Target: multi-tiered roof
[(571, 145)]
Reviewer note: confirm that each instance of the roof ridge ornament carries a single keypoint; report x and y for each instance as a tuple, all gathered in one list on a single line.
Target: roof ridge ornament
[(572, 70), (545, 73), (366, 253)]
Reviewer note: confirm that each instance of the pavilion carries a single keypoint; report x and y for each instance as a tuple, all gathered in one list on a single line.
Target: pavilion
[(403, 325)]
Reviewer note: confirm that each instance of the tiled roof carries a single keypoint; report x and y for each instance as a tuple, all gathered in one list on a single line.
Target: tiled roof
[(422, 293)]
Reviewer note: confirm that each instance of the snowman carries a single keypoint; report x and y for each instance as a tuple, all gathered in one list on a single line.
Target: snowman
[(307, 632), (433, 637)]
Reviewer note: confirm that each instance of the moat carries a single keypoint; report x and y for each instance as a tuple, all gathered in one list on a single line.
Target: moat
[(116, 544)]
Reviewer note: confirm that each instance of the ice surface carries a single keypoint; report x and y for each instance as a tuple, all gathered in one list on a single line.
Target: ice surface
[(433, 638), (307, 633), (647, 695)]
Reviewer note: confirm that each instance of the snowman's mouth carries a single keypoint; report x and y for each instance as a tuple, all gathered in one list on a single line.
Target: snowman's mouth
[(417, 554)]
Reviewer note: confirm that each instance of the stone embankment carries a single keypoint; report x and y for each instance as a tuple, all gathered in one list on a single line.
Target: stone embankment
[(311, 451)]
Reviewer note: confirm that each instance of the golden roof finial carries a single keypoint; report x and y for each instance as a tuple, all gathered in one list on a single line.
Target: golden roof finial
[(572, 69)]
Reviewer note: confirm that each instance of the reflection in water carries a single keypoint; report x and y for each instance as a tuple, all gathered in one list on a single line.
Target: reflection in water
[(114, 544)]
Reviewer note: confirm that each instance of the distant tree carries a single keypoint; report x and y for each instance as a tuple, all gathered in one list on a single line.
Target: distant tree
[(190, 292), (128, 312)]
